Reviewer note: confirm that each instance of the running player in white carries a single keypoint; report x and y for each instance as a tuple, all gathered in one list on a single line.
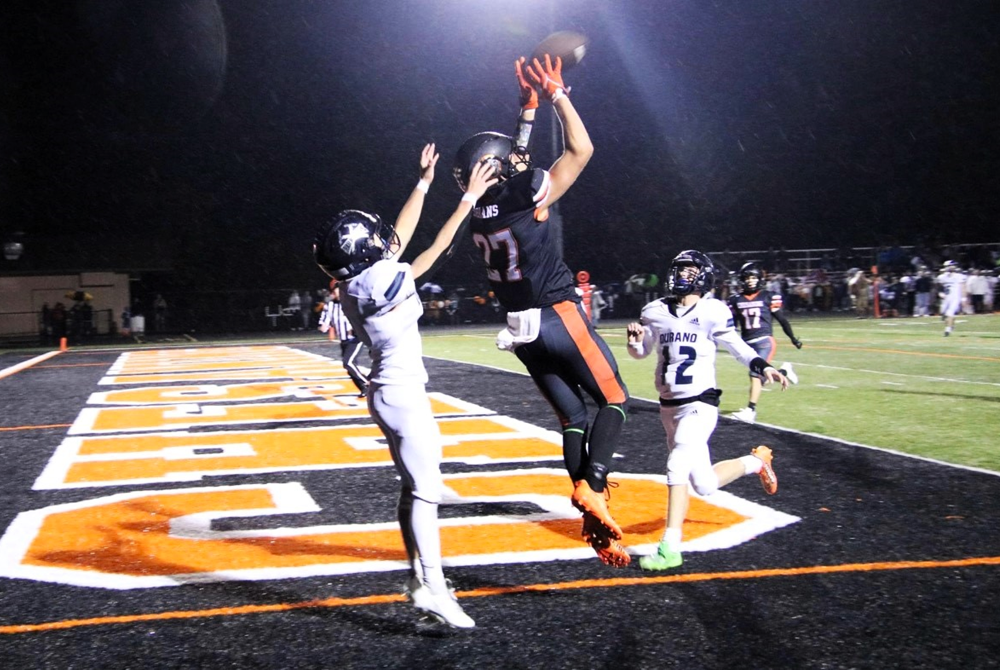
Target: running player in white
[(684, 329), (952, 283), (380, 298)]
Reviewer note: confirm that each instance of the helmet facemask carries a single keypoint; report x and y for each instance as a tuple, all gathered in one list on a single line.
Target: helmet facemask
[(750, 281), (520, 161), (691, 272)]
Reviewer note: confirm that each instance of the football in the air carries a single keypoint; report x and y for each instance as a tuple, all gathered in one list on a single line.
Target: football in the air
[(566, 44)]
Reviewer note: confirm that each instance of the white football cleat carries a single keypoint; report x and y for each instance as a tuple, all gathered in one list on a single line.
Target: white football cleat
[(745, 414), (790, 373), (443, 607)]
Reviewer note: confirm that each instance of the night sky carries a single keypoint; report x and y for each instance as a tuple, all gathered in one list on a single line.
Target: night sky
[(209, 138)]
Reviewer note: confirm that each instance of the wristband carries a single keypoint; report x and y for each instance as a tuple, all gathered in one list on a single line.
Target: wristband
[(758, 365), (560, 92), (423, 186), (470, 198)]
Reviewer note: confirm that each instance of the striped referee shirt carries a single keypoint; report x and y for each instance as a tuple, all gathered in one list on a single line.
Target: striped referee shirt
[(334, 317)]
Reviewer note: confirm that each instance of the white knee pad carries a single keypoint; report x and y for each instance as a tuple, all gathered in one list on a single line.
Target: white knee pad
[(690, 464), (704, 481)]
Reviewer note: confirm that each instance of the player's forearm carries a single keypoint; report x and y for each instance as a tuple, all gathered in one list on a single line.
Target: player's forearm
[(409, 216), (525, 123), (642, 347), (575, 136), (785, 325), (577, 152), (735, 345), (444, 240)]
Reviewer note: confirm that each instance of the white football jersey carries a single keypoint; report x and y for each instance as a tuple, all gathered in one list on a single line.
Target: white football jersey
[(384, 308), (685, 340), (951, 283)]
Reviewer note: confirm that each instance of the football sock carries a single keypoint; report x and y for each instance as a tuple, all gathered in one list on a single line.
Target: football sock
[(424, 523), (603, 437), (753, 405), (751, 464), (672, 536), (574, 452)]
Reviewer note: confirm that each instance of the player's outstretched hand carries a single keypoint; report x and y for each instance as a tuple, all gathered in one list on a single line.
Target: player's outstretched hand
[(529, 95), (635, 332), (548, 77), (772, 375), (482, 177), (797, 343), (428, 159)]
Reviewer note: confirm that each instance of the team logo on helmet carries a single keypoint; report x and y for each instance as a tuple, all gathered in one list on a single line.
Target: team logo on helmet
[(351, 242)]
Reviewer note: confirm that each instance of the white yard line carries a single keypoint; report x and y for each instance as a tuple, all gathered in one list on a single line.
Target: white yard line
[(898, 374)]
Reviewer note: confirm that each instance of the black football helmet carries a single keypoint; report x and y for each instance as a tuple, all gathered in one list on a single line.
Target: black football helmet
[(701, 284), (351, 242), (751, 278), (495, 148)]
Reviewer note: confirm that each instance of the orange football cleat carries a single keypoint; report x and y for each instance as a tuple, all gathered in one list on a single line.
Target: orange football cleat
[(587, 501), (768, 479), (608, 549)]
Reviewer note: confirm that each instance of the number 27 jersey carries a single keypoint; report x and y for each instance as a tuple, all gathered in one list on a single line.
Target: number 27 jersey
[(522, 262)]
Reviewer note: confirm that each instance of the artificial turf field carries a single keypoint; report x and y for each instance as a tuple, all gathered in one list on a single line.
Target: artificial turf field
[(152, 524)]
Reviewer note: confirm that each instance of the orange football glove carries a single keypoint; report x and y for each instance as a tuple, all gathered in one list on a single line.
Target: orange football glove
[(529, 96), (548, 79)]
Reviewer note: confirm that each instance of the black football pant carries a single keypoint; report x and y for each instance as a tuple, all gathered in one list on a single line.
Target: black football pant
[(567, 360)]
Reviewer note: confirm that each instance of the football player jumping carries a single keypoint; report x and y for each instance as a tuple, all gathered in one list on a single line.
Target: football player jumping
[(756, 308), (546, 327), (379, 296), (684, 329)]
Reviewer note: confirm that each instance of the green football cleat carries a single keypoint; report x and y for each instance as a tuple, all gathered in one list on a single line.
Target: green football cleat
[(663, 559)]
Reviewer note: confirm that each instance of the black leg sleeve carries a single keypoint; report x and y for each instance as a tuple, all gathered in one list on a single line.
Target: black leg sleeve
[(603, 438)]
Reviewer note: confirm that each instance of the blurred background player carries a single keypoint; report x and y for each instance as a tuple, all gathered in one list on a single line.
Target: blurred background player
[(755, 308), (333, 318), (952, 283), (859, 288), (379, 297), (684, 329), (547, 328)]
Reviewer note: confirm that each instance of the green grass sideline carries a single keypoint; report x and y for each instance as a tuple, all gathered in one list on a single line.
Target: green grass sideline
[(896, 383)]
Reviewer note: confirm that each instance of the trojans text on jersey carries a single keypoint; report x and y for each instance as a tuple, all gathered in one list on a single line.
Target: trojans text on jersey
[(486, 211)]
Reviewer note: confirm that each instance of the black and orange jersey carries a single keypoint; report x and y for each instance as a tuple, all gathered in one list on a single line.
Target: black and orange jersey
[(522, 262), (754, 313)]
